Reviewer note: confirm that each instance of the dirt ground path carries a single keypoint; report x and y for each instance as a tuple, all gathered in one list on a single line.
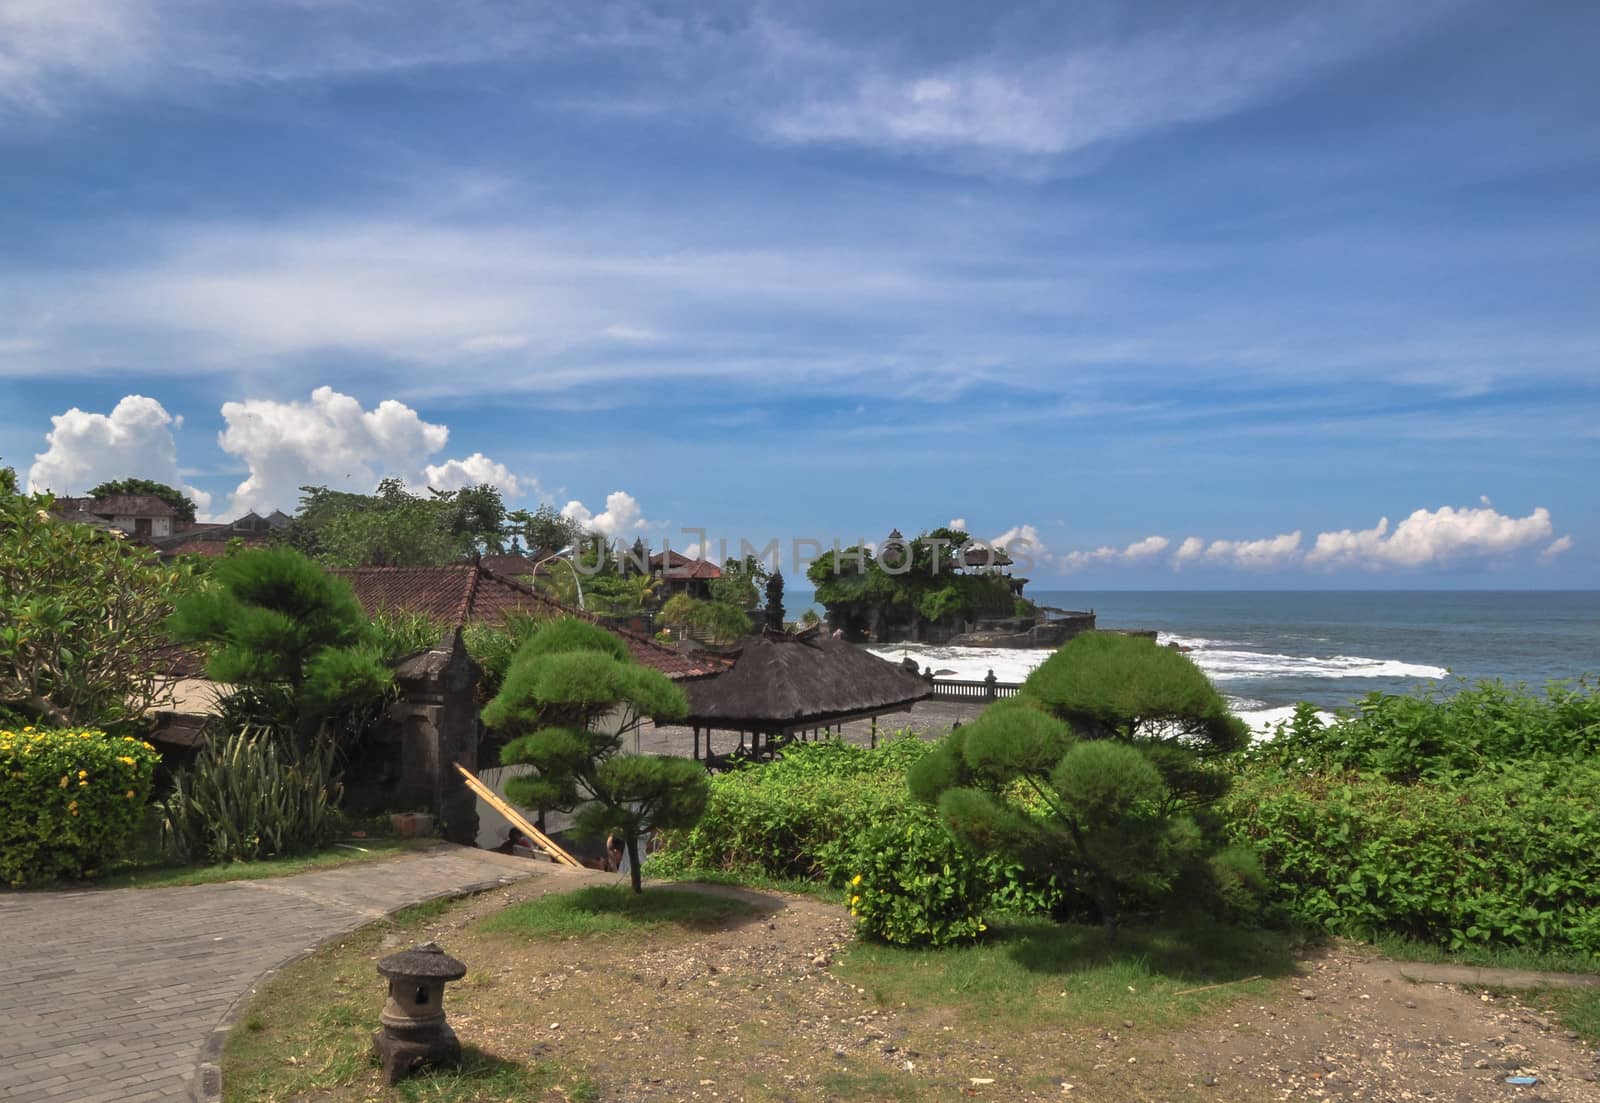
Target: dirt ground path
[(762, 1009), (1352, 1027)]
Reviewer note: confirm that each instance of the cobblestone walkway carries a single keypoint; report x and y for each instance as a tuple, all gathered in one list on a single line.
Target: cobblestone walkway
[(110, 994)]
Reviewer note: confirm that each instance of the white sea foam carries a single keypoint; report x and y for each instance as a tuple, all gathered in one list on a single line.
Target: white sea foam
[(1224, 665), (1010, 664), (1221, 662), (1263, 723)]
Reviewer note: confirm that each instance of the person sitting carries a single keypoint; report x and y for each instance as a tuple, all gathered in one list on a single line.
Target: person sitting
[(515, 839)]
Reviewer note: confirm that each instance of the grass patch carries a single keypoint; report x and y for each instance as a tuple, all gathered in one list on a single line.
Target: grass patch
[(797, 886), (308, 1035), (613, 909), (1577, 1008), (364, 850), (1410, 949), (1027, 966), (484, 1076)]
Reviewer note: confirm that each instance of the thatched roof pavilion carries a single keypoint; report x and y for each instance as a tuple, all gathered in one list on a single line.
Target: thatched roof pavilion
[(782, 686)]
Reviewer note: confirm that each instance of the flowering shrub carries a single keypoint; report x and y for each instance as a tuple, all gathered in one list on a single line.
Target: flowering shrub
[(915, 885), (69, 800)]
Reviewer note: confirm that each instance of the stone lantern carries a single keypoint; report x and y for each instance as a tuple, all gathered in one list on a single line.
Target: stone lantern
[(414, 1030)]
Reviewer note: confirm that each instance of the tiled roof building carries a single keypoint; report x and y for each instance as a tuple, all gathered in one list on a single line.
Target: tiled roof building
[(470, 593)]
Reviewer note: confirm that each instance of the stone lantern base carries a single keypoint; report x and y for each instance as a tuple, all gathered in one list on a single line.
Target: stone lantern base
[(403, 1052)]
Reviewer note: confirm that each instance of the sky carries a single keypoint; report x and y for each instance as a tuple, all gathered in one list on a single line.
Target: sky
[(1237, 295)]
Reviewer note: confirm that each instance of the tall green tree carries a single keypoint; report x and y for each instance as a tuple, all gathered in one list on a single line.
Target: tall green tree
[(716, 621), (276, 625), (396, 528), (181, 503), (544, 531), (570, 694), (773, 613), (740, 583), (82, 619), (1101, 772)]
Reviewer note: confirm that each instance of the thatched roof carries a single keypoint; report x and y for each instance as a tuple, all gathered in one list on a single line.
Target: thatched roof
[(782, 682)]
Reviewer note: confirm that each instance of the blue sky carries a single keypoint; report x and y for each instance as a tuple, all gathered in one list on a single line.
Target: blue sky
[(1233, 295)]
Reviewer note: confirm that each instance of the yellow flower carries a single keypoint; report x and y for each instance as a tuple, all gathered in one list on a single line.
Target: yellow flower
[(856, 880), (854, 900), (64, 780), (73, 808), (125, 760), (130, 794), (82, 784)]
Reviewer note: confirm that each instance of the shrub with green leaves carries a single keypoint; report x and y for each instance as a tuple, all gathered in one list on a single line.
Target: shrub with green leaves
[(912, 885), (82, 620), (1438, 734), (814, 814), (248, 796), (1509, 857), (70, 801)]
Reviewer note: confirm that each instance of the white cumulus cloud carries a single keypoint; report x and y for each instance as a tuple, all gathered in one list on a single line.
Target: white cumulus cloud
[(1557, 548), (1270, 552), (331, 440), (1135, 552), (475, 470), (133, 441), (1191, 549), (1431, 538), (621, 519), (1024, 546)]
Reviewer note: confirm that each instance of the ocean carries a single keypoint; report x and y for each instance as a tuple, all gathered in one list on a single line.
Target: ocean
[(1266, 651)]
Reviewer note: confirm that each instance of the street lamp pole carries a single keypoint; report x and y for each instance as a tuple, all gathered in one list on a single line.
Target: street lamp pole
[(576, 579)]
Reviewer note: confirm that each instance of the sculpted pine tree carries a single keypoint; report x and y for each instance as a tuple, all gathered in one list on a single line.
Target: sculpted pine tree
[(1098, 773), (276, 625), (571, 692)]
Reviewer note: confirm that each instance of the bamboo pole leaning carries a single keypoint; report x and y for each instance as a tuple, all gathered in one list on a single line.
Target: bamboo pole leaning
[(518, 820)]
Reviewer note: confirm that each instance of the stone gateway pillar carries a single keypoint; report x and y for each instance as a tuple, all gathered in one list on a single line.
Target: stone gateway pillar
[(437, 718)]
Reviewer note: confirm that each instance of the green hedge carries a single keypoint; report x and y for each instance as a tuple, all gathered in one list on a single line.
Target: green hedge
[(1509, 857), (778, 818), (830, 811), (1445, 731), (70, 801)]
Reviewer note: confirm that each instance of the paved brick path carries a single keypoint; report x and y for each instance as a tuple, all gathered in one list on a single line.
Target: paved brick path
[(109, 995)]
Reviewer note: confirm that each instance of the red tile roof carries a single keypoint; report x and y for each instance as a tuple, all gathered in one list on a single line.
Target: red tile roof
[(677, 566), (467, 593)]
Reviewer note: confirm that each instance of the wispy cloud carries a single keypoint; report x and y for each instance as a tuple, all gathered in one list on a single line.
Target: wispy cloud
[(48, 47), (1087, 84)]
